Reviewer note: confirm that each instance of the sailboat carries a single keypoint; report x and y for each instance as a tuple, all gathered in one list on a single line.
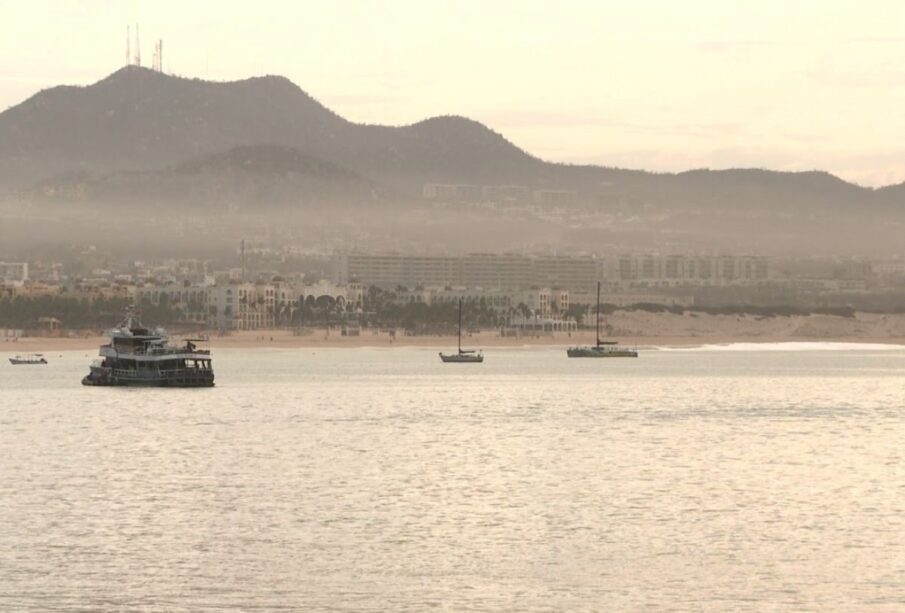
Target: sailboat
[(603, 349), (463, 355)]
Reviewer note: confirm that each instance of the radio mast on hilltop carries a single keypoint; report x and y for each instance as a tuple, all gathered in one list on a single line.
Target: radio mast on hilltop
[(137, 47), (158, 56), (135, 60)]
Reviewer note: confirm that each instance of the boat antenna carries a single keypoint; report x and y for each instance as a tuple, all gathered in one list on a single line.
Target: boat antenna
[(127, 320)]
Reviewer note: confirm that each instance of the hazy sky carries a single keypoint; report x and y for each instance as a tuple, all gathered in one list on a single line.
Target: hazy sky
[(661, 85)]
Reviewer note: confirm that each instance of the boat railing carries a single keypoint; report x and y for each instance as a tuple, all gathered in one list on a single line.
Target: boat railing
[(158, 350), (172, 372), (169, 372)]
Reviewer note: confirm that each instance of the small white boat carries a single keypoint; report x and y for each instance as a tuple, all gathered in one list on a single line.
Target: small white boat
[(35, 358)]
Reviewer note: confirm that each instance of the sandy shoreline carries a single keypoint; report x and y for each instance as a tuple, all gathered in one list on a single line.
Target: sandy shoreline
[(636, 329)]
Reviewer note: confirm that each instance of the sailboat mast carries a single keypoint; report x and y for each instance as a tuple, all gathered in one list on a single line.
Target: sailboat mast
[(460, 325), (598, 313)]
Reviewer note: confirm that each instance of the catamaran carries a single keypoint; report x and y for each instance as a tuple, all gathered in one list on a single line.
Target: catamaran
[(603, 349), (463, 355)]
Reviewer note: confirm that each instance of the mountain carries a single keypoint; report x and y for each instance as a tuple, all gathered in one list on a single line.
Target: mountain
[(765, 190), (892, 195), (138, 119), (139, 136), (259, 175)]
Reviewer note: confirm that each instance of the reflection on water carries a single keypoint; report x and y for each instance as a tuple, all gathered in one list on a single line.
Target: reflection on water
[(383, 480)]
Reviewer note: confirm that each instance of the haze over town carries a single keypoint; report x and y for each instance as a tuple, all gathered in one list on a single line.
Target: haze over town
[(391, 148)]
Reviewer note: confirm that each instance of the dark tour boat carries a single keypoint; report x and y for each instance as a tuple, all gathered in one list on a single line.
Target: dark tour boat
[(139, 356)]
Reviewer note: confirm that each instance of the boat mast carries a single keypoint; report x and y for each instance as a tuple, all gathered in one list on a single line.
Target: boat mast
[(460, 325), (598, 313)]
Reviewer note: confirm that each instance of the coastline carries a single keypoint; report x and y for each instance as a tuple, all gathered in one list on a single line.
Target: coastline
[(633, 329)]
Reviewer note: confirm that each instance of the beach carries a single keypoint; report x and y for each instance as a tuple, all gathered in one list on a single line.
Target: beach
[(632, 328)]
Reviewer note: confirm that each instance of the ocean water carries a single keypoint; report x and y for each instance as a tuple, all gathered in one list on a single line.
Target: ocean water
[(714, 479)]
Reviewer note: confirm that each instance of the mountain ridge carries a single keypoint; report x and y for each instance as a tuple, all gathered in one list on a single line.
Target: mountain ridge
[(136, 119), (139, 119)]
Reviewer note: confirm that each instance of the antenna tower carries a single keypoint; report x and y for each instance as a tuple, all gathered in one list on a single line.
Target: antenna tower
[(137, 47), (128, 46)]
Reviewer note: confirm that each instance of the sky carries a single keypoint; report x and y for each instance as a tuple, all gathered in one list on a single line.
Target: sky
[(655, 85)]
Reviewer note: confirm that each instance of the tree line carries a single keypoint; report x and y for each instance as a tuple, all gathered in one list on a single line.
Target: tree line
[(381, 308), (29, 312)]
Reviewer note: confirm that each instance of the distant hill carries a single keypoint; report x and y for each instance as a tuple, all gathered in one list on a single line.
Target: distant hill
[(261, 175), (756, 190), (138, 119), (892, 195), (139, 135)]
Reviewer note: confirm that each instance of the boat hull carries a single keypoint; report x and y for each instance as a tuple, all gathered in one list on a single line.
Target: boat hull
[(16, 362), (591, 352), (182, 378), (462, 358)]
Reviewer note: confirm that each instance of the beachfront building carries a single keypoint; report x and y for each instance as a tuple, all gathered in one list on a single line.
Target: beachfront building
[(393, 270), (542, 302), (484, 270), (191, 299), (92, 289), (29, 289), (574, 273), (539, 325), (648, 270), (260, 306), (495, 299), (623, 299)]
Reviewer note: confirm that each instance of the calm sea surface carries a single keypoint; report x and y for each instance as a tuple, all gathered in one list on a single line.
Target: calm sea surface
[(384, 480)]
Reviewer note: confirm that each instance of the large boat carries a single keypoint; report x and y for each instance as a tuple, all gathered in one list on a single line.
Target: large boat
[(469, 356), (603, 349), (35, 358), (139, 356)]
